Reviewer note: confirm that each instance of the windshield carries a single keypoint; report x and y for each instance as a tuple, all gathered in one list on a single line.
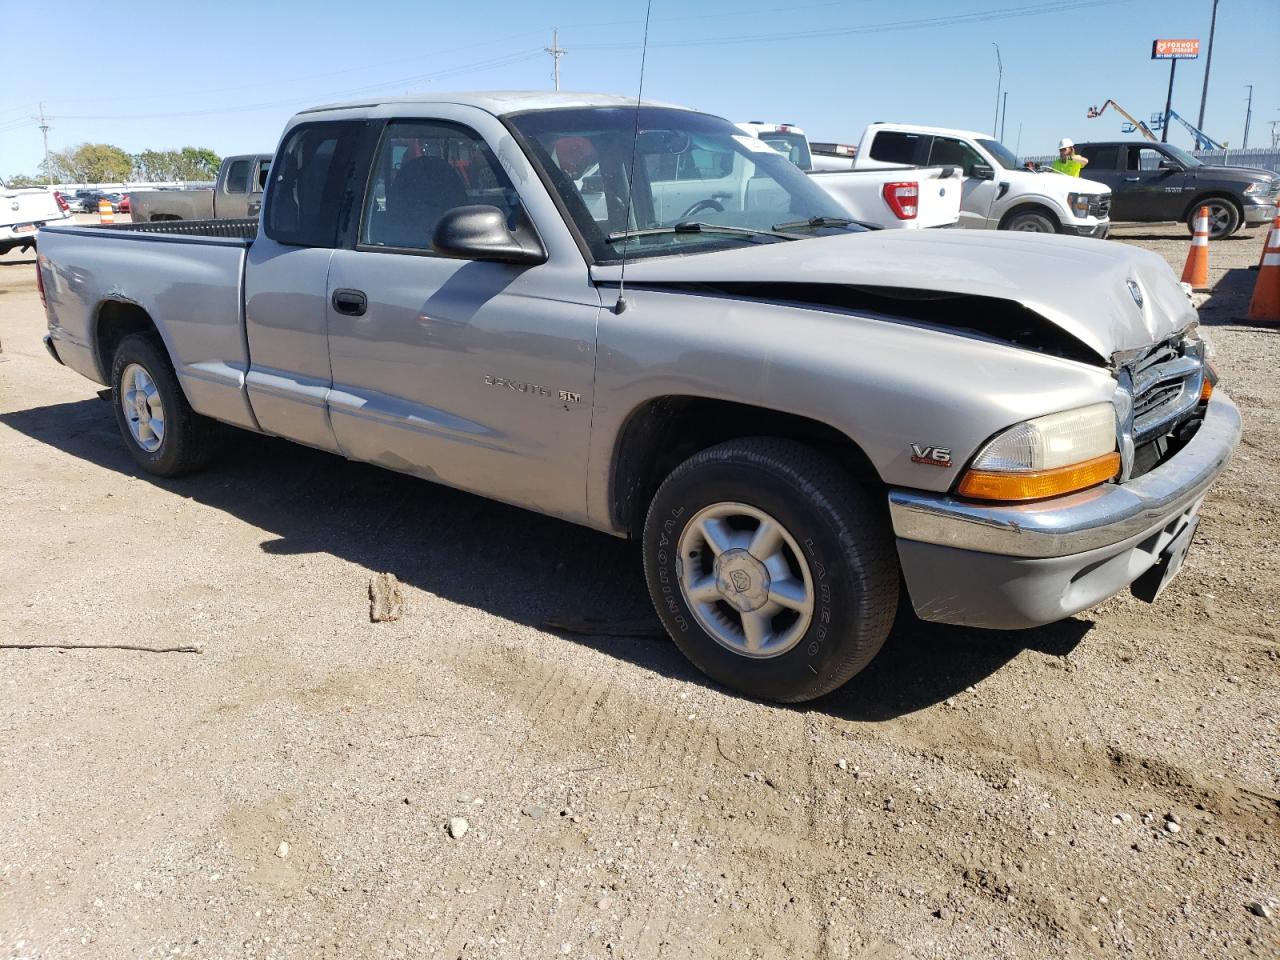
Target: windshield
[(689, 168), (1003, 155), (1184, 158)]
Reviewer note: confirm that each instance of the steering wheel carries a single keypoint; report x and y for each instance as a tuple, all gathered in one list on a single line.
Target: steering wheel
[(705, 204)]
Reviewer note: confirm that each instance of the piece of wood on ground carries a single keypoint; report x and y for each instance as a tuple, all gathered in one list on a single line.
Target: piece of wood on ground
[(386, 602)]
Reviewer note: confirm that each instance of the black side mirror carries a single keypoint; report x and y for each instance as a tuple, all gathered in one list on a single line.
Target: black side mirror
[(1170, 165), (983, 172), (480, 232)]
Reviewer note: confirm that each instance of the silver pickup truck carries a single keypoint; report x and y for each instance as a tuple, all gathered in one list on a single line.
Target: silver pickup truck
[(793, 415)]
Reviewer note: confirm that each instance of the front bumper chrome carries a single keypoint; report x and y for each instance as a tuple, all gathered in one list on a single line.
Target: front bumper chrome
[(1079, 522), (1260, 212)]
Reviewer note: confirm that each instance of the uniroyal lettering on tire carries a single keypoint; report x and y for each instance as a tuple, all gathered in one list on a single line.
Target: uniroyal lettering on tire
[(774, 572)]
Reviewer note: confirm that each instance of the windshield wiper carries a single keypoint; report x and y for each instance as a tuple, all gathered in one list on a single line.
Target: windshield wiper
[(696, 226), (818, 222)]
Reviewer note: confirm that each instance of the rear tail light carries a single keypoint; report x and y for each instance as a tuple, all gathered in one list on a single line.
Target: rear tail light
[(903, 199), (62, 202)]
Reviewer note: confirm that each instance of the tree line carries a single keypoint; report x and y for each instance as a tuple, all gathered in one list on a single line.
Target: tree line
[(107, 163)]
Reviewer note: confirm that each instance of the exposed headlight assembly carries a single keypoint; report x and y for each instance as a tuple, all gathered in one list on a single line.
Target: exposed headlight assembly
[(1046, 457), (1079, 204)]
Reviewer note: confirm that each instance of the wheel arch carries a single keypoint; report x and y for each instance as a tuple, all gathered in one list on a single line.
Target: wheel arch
[(1031, 206), (113, 321), (664, 431), (1214, 194)]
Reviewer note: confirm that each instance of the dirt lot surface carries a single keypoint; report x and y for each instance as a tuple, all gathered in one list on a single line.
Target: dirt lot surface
[(1105, 787)]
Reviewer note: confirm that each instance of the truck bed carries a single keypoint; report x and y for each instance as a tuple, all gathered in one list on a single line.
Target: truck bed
[(190, 272), (241, 229)]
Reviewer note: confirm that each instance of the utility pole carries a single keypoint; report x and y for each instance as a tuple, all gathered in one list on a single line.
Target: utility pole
[(44, 131), (1004, 115), (1248, 115), (1208, 62), (995, 124), (556, 54)]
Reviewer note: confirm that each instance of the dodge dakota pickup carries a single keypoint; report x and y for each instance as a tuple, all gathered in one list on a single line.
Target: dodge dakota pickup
[(792, 414)]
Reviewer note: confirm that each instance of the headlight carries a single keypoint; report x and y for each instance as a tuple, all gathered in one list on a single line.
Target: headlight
[(1046, 457), (1079, 204), (1259, 189)]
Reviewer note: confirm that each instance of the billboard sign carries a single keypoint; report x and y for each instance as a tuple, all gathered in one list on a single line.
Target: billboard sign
[(1175, 49)]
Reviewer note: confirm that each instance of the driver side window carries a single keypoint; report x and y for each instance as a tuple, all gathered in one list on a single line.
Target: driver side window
[(423, 170)]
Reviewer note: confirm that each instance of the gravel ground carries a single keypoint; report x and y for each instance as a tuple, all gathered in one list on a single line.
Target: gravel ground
[(1102, 787)]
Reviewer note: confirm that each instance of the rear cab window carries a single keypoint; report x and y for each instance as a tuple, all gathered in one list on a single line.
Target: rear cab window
[(311, 181), (891, 146), (1102, 156), (237, 177)]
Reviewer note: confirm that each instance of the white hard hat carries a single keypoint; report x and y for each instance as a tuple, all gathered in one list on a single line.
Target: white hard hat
[(1064, 143)]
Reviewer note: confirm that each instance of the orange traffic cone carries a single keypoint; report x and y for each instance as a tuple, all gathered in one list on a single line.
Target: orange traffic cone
[(1273, 237), (1265, 304), (106, 212), (1196, 272)]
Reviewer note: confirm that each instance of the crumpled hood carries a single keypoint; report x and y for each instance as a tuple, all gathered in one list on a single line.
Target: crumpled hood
[(1078, 284)]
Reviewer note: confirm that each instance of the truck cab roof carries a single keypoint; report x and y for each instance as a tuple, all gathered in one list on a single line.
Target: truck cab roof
[(497, 102)]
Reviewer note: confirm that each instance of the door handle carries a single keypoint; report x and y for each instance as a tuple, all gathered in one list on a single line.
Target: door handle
[(351, 303), (1132, 179)]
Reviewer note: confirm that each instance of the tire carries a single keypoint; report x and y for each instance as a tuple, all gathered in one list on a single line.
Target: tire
[(1224, 217), (835, 552), (183, 441), (1030, 221)]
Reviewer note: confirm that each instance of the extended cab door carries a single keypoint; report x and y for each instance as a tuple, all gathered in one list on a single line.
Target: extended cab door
[(286, 280), (477, 374)]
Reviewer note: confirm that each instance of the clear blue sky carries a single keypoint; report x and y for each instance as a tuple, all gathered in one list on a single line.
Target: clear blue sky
[(228, 74)]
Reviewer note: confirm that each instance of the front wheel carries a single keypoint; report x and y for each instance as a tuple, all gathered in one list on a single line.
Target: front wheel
[(1224, 218), (1031, 222), (164, 435), (773, 571)]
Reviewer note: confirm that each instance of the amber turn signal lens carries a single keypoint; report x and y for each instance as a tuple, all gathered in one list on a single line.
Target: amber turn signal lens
[(1206, 390), (1039, 484)]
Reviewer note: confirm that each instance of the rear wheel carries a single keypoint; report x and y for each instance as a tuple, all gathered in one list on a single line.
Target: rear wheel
[(772, 570), (1224, 217), (164, 435), (1031, 221)]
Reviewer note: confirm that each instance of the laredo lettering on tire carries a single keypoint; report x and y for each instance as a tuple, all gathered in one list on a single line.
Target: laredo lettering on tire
[(164, 435), (773, 571)]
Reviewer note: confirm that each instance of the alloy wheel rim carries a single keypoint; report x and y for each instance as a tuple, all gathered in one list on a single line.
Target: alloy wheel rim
[(745, 579), (142, 407), (1218, 218)]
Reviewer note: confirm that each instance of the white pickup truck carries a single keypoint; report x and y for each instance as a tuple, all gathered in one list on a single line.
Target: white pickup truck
[(889, 197), (24, 210), (999, 192)]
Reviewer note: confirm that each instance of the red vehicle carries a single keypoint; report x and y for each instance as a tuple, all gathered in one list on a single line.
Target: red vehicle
[(123, 205)]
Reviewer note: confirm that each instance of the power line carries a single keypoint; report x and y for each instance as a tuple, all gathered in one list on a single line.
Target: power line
[(981, 16)]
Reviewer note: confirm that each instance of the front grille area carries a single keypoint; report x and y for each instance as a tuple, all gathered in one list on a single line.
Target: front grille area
[(1166, 384), (1100, 206)]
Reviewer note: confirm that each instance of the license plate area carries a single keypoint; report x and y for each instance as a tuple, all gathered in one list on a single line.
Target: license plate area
[(1151, 584), (24, 228)]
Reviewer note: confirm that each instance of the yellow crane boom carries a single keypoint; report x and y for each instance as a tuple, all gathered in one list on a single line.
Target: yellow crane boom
[(1138, 125)]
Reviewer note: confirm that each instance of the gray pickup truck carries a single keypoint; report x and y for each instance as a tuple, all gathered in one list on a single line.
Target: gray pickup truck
[(794, 415), (237, 193)]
